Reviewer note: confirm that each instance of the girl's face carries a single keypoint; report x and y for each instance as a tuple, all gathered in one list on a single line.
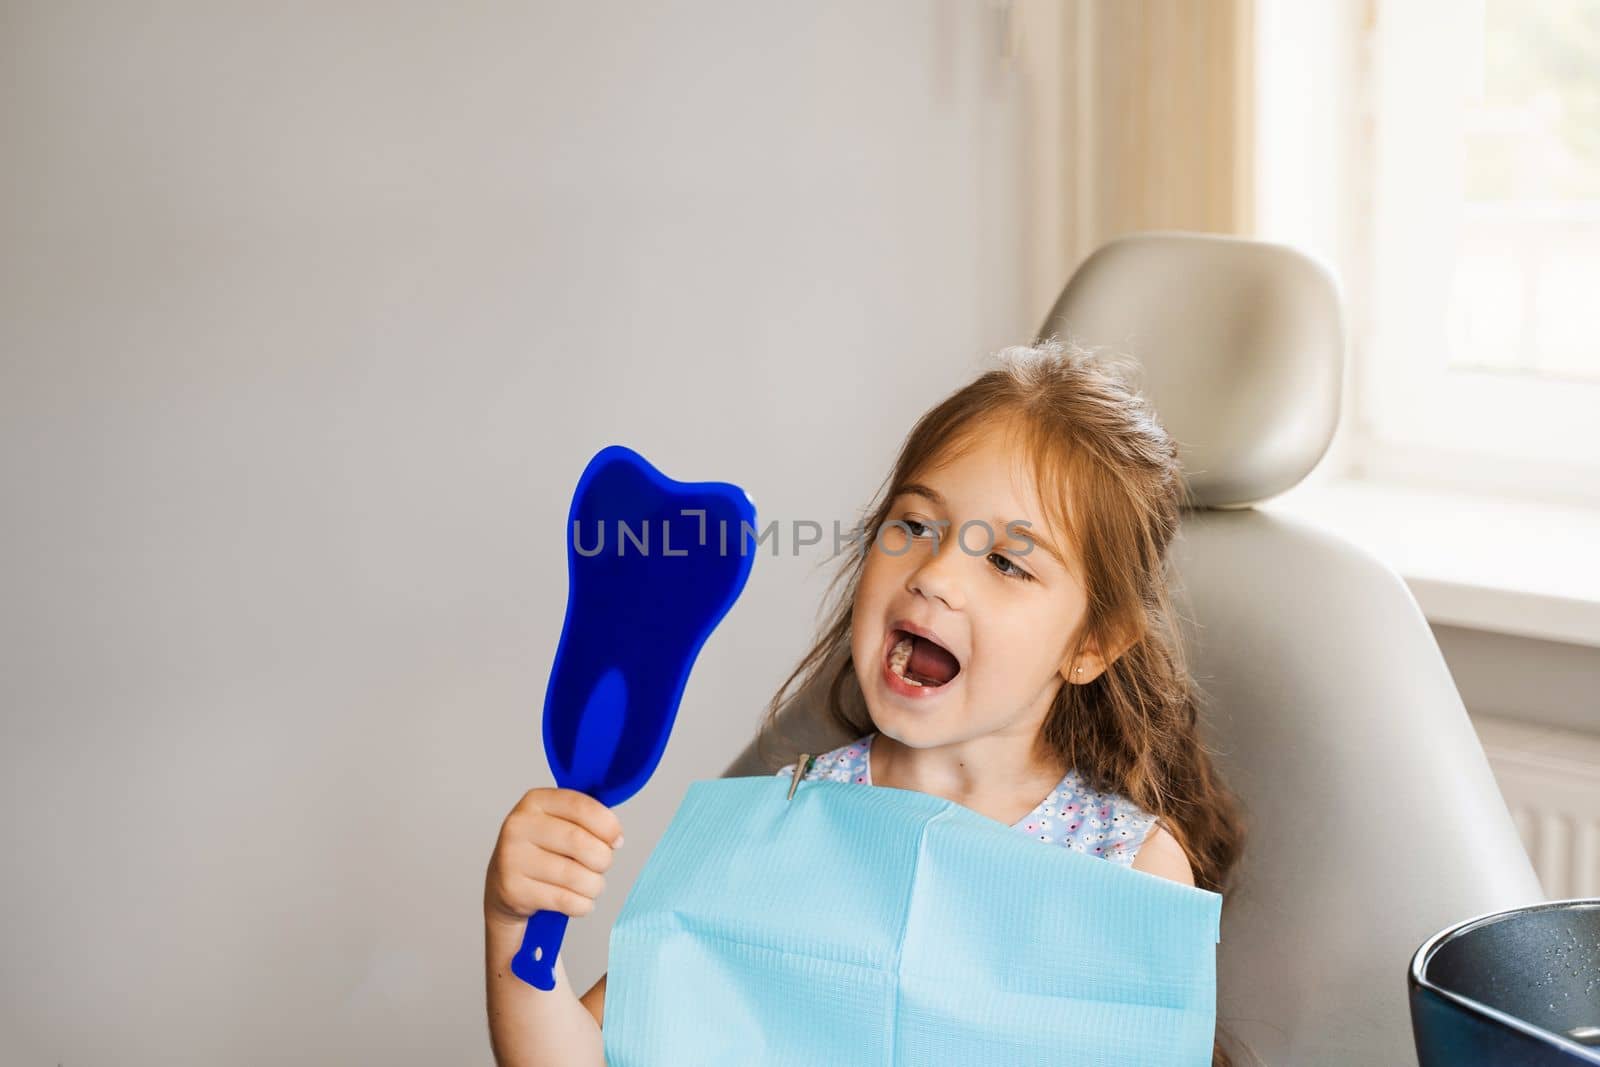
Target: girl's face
[(1005, 611)]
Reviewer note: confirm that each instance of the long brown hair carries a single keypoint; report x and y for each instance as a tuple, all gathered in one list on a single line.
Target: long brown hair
[(1109, 476)]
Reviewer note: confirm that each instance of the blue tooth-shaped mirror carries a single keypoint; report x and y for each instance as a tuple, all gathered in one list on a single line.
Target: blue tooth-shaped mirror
[(652, 566)]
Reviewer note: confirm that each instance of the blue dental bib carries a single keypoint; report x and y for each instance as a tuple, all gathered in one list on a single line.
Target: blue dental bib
[(882, 927)]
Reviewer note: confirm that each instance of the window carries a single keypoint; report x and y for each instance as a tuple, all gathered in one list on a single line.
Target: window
[(1444, 155), (1480, 361), (1526, 276)]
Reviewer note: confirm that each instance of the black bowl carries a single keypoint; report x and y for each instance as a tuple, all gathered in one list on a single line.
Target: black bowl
[(1515, 987)]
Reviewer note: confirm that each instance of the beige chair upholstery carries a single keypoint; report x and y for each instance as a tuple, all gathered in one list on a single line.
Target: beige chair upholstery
[(1375, 819)]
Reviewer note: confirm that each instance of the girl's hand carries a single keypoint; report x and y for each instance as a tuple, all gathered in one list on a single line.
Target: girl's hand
[(553, 851)]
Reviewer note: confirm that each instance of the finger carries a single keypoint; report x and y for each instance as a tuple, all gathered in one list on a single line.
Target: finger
[(556, 834), (586, 811), (546, 866), (547, 897)]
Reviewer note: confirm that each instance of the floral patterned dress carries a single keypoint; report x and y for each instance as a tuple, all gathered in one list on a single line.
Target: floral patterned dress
[(1105, 825)]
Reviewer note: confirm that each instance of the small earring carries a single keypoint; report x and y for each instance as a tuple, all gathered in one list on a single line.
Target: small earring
[(1080, 670)]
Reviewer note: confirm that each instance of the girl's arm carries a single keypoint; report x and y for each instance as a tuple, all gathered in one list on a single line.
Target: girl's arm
[(530, 1027), (552, 853), (595, 1000)]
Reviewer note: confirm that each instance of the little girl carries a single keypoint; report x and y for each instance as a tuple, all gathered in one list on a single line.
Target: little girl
[(1037, 678), (1004, 640)]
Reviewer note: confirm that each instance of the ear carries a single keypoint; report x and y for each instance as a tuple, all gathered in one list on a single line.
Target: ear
[(1085, 667), (1090, 663)]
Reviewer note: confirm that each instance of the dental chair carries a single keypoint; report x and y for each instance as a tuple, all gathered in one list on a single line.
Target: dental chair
[(1373, 818)]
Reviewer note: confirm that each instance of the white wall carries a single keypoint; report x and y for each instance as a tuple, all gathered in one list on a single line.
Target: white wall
[(310, 317)]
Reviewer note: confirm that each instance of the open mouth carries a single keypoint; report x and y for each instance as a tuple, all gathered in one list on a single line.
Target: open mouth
[(921, 662)]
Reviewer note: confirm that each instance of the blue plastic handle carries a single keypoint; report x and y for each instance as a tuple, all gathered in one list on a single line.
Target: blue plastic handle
[(653, 565)]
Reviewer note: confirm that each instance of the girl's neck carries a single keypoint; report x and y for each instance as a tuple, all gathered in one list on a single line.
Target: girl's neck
[(991, 775)]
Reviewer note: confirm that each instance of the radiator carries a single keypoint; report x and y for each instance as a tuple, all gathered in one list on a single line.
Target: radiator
[(1551, 782)]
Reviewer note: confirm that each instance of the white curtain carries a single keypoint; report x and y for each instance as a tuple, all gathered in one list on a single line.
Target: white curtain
[(1141, 117)]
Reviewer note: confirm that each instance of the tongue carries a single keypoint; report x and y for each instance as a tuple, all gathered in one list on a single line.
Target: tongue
[(930, 663)]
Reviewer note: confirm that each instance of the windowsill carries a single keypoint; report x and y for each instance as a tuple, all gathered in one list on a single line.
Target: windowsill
[(1485, 562)]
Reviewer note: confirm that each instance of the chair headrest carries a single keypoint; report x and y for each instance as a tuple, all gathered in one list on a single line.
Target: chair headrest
[(1241, 343)]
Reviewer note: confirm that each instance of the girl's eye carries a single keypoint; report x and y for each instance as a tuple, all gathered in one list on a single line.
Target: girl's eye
[(1009, 570), (1015, 571)]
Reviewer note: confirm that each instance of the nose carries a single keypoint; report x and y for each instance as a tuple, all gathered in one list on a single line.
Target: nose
[(938, 573)]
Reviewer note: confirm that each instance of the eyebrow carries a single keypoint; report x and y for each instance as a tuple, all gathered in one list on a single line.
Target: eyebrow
[(918, 489)]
